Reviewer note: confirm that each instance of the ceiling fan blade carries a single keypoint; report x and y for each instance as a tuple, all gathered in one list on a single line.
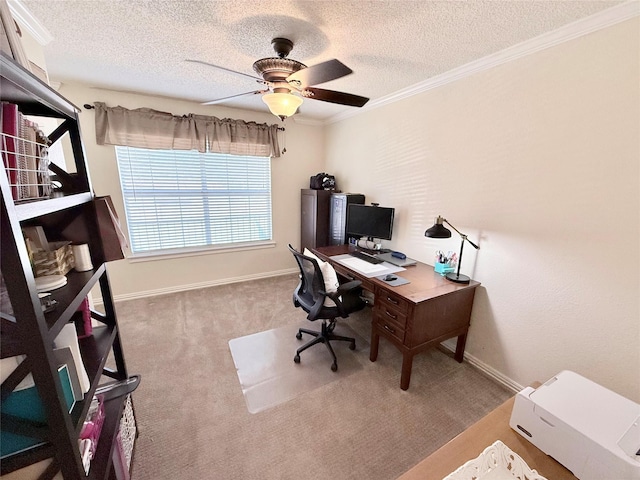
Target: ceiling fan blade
[(319, 73), (335, 97), (224, 99), (257, 79)]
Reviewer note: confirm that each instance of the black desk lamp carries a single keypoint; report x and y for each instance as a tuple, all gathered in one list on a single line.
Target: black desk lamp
[(440, 231)]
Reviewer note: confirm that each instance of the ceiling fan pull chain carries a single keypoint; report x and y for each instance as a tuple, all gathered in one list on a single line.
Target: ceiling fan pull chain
[(284, 138)]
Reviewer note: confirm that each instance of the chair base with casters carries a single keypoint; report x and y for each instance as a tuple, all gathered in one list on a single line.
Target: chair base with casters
[(325, 336)]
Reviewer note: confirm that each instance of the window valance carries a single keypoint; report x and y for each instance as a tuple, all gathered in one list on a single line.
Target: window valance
[(147, 128)]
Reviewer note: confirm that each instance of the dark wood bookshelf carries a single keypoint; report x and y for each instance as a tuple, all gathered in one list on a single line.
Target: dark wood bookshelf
[(34, 97), (70, 297), (94, 350), (26, 330), (102, 461), (27, 457)]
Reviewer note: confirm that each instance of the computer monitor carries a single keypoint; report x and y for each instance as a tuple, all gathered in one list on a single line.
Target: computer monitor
[(369, 221)]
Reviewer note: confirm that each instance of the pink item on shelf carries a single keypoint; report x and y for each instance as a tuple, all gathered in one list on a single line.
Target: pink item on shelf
[(93, 424), (9, 147), (85, 454), (87, 328)]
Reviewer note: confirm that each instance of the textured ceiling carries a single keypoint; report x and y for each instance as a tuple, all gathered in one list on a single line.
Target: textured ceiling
[(141, 45)]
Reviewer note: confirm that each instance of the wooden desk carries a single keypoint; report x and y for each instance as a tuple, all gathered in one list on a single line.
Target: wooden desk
[(415, 316), (470, 443)]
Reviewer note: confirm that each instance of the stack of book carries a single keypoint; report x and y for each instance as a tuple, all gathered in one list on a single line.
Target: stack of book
[(24, 402), (24, 151)]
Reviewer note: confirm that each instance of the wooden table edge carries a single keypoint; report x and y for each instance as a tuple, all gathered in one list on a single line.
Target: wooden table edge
[(471, 442)]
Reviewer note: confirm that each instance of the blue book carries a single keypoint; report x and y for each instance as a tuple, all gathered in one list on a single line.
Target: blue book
[(27, 404)]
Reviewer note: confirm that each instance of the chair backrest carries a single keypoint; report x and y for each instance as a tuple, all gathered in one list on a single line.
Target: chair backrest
[(310, 291)]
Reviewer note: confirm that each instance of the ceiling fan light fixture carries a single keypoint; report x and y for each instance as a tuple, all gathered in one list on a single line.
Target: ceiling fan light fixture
[(282, 105)]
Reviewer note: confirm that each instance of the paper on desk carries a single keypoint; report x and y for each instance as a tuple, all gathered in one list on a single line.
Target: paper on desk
[(365, 268)]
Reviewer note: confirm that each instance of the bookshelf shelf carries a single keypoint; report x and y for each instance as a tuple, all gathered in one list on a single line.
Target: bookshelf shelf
[(38, 208), (28, 332)]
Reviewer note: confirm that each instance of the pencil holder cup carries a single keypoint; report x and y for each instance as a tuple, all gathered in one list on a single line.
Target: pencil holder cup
[(443, 268)]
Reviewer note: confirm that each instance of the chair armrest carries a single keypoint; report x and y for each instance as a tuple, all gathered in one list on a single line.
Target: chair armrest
[(346, 287), (343, 289)]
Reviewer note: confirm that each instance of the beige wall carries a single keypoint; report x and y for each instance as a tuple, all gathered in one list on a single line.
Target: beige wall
[(289, 173), (538, 160)]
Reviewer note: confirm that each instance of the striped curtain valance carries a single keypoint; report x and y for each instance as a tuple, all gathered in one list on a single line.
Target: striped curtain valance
[(147, 128)]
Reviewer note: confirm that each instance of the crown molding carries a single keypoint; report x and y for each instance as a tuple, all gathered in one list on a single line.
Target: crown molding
[(29, 22), (592, 23)]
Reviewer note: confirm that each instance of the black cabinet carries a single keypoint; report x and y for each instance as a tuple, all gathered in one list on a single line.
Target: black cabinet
[(314, 221), (26, 330)]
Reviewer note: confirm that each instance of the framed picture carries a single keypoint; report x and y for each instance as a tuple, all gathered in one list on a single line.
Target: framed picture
[(10, 42)]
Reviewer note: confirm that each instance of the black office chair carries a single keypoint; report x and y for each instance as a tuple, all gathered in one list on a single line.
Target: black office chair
[(310, 295)]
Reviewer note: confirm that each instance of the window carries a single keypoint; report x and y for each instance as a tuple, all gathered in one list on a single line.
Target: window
[(184, 199)]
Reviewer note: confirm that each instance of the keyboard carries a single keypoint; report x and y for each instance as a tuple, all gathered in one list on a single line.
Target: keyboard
[(366, 257)]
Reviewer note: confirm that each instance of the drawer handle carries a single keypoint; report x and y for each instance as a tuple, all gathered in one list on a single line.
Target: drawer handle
[(387, 327), (395, 317), (393, 300)]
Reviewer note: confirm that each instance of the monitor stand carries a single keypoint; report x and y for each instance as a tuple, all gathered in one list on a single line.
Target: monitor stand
[(377, 246), (371, 241)]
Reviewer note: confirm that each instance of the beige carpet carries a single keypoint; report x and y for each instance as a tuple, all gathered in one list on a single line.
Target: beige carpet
[(194, 423), (268, 375)]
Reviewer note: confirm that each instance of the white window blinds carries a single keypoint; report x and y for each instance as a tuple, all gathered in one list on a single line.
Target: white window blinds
[(183, 199)]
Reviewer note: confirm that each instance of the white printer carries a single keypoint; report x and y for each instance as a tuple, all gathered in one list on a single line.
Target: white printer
[(589, 429)]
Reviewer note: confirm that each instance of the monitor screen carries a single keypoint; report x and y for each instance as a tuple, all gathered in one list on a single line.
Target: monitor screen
[(369, 221)]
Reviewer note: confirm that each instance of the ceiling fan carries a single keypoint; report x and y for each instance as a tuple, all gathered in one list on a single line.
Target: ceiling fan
[(290, 81)]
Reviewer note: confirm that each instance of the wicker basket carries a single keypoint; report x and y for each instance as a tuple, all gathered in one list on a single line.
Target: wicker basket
[(128, 431), (55, 262)]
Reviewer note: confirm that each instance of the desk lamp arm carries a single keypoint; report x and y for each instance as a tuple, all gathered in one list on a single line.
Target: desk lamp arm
[(464, 237), (458, 278)]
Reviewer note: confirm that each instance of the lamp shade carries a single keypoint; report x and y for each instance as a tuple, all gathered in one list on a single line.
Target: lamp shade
[(282, 105), (438, 230)]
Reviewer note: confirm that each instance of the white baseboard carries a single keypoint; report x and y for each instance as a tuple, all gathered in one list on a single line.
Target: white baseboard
[(486, 369), (195, 286)]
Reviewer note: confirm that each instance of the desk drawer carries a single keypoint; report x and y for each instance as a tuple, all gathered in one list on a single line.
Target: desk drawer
[(385, 313), (388, 325), (391, 300)]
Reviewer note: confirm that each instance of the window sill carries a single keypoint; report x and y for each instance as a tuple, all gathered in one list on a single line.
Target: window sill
[(196, 252)]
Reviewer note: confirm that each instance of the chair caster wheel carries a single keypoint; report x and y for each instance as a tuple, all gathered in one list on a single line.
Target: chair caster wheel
[(334, 367), (352, 346), (296, 359), (299, 336)]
